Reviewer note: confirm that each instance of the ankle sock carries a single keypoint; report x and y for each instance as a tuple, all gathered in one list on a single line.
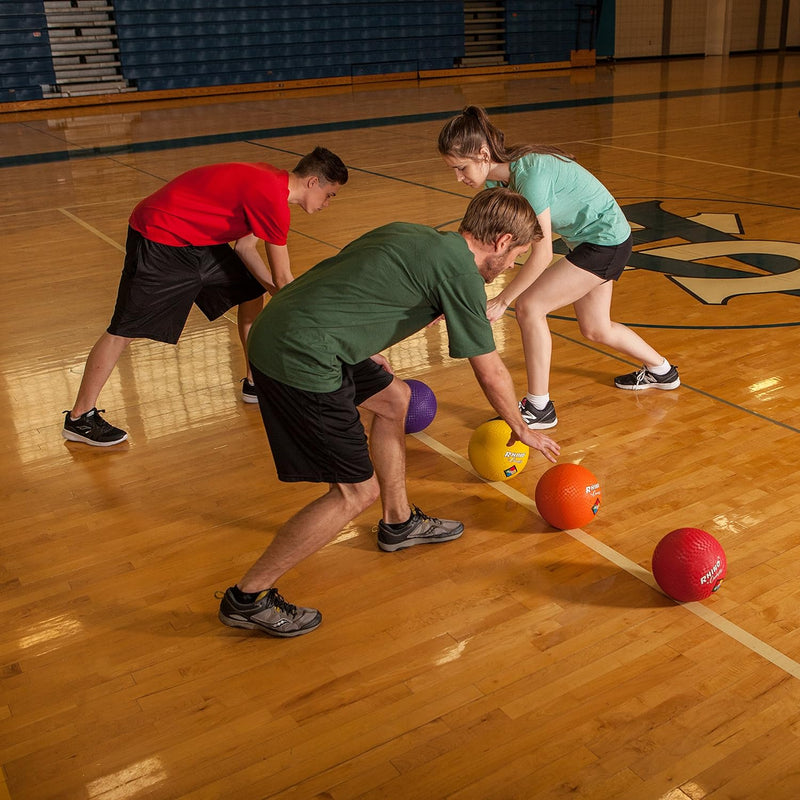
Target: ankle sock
[(244, 597), (397, 526), (663, 369), (538, 401)]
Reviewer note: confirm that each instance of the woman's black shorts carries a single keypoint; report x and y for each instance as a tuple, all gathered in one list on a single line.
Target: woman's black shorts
[(603, 260), (319, 437)]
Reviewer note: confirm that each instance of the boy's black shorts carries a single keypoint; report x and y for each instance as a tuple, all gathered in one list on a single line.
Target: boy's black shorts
[(319, 437), (159, 283)]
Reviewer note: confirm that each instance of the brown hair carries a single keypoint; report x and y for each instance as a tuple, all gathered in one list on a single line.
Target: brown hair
[(324, 164), (465, 134), (496, 211)]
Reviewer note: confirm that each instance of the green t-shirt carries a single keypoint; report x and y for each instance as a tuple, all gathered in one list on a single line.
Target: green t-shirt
[(381, 288), (581, 208)]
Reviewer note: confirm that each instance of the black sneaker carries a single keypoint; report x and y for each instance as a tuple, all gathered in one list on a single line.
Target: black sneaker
[(535, 419), (248, 391), (269, 613), (420, 529), (644, 379), (92, 429)]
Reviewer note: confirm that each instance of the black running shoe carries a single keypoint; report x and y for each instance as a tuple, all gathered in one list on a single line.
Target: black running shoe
[(248, 391), (420, 529), (536, 419), (644, 379), (269, 613), (92, 429)]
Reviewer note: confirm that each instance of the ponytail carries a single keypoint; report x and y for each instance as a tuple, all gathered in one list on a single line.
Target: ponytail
[(464, 135)]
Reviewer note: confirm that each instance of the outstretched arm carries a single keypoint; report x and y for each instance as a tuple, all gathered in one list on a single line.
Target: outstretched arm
[(498, 387), (537, 262)]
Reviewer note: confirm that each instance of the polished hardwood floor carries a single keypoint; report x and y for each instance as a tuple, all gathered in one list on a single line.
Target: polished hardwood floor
[(516, 663)]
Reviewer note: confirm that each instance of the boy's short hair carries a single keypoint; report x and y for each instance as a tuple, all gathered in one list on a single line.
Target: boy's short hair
[(496, 211), (324, 164)]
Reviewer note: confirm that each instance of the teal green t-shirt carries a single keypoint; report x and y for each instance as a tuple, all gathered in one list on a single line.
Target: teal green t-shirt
[(581, 208), (381, 288)]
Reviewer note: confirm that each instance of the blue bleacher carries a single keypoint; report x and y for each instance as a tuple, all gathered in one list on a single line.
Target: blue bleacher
[(25, 61), (189, 43), (173, 44), (540, 31)]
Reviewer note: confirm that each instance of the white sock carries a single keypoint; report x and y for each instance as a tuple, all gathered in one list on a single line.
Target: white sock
[(538, 401), (661, 370)]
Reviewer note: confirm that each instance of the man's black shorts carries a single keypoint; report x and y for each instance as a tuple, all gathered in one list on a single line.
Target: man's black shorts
[(159, 283), (605, 261), (319, 437)]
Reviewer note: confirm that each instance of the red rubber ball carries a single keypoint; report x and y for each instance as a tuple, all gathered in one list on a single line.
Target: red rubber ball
[(689, 564)]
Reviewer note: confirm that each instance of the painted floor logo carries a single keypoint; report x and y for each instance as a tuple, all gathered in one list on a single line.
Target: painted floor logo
[(754, 265), (729, 263)]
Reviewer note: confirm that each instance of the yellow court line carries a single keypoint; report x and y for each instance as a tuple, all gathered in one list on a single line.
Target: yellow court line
[(756, 645)]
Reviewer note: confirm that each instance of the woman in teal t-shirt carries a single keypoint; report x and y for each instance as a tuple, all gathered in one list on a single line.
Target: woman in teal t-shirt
[(571, 202)]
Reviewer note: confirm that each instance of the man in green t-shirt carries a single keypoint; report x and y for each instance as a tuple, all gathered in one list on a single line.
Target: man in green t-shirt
[(313, 350)]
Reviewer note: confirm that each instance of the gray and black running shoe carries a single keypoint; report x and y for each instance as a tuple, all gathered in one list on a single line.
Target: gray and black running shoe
[(420, 529), (269, 613)]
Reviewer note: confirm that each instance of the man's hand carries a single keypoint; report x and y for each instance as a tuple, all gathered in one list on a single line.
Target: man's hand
[(495, 308), (538, 441), (382, 361)]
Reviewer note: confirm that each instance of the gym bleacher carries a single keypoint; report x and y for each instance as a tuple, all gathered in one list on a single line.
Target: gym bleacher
[(67, 48)]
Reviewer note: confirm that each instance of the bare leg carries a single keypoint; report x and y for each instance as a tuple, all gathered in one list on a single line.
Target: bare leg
[(102, 360), (593, 313), (309, 530), (387, 443), (245, 318), (559, 285)]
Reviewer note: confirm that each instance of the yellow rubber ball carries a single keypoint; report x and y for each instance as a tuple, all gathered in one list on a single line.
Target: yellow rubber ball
[(490, 454)]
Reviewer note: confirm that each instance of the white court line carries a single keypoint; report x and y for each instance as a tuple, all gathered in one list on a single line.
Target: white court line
[(772, 655), (659, 131), (694, 160), (228, 315), (780, 660), (92, 229)]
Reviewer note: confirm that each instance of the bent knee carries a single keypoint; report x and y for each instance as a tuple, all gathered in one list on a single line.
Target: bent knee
[(594, 333), (392, 402), (399, 391), (359, 496), (527, 307)]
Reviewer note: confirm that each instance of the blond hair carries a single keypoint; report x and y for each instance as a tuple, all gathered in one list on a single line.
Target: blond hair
[(497, 211)]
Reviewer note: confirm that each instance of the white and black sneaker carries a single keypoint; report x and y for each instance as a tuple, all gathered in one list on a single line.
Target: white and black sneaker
[(538, 419), (91, 428), (420, 529), (270, 613), (248, 391), (644, 379)]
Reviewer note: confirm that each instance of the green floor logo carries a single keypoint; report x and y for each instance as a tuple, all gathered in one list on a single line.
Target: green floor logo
[(753, 266)]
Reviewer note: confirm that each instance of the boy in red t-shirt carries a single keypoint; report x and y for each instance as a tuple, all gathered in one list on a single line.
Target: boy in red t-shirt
[(178, 253)]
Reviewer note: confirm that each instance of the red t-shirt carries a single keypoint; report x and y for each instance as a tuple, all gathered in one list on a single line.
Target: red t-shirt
[(216, 204)]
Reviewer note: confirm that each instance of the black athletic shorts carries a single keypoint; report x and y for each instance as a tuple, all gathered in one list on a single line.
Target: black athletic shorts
[(159, 283), (605, 261), (319, 437)]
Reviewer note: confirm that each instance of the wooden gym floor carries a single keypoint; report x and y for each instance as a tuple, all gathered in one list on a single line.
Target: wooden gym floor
[(516, 662)]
